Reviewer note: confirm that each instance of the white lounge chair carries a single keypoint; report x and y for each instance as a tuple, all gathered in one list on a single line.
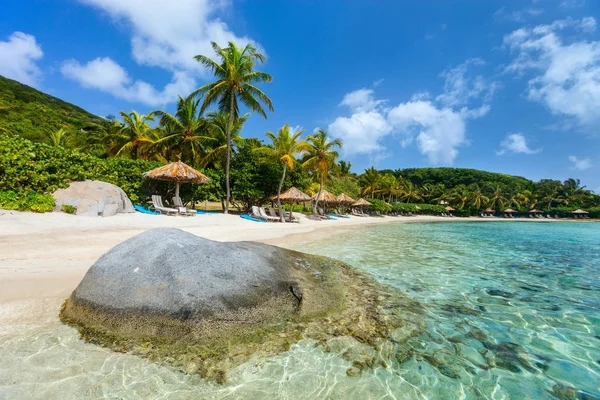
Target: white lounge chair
[(263, 214), (181, 208), (158, 206)]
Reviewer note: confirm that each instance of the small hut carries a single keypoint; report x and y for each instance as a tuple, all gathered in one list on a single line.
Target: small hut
[(292, 196), (177, 172)]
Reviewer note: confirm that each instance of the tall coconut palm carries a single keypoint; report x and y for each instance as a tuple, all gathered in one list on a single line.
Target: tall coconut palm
[(370, 181), (216, 144), (133, 135), (235, 83), (497, 200), (410, 192), (345, 167), (186, 131), (321, 158), (478, 199), (284, 148)]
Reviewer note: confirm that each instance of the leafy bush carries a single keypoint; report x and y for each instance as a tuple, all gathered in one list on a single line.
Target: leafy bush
[(379, 205), (69, 209), (26, 201), (34, 167)]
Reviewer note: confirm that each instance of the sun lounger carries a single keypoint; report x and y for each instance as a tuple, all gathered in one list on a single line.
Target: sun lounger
[(263, 214), (181, 208), (158, 206)]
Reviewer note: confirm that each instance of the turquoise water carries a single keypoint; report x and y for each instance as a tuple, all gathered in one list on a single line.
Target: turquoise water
[(512, 311)]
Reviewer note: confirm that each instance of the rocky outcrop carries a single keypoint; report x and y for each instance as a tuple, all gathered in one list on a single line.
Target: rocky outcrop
[(206, 306), (93, 198)]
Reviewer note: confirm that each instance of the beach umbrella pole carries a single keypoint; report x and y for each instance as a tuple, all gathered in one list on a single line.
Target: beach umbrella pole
[(177, 189)]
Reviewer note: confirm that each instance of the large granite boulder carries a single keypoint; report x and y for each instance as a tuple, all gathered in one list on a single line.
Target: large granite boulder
[(205, 306), (93, 198)]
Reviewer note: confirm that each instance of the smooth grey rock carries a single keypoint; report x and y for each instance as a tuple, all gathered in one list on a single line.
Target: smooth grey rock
[(168, 283), (93, 198)]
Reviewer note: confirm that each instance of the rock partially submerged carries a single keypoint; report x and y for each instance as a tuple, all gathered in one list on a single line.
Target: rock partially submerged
[(205, 306), (93, 198)]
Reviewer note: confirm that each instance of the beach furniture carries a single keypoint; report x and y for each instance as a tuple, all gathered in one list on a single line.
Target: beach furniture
[(145, 211), (263, 214), (181, 208), (158, 206)]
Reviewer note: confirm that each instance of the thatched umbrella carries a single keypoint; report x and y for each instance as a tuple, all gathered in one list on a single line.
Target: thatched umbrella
[(326, 197), (449, 208), (510, 210), (490, 210), (362, 203), (579, 211), (291, 196), (345, 200), (535, 211), (177, 172)]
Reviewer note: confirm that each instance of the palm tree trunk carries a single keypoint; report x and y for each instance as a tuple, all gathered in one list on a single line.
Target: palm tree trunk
[(318, 196), (281, 215), (228, 158)]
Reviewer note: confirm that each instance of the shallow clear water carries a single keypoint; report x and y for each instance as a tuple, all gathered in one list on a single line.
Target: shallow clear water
[(512, 312)]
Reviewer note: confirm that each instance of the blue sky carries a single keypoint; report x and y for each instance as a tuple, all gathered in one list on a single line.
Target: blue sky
[(506, 86)]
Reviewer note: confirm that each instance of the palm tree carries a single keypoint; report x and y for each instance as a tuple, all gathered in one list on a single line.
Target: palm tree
[(217, 141), (285, 146), (410, 192), (496, 198), (370, 180), (344, 167), (133, 135), (187, 130), (58, 138), (235, 83), (478, 199), (321, 158)]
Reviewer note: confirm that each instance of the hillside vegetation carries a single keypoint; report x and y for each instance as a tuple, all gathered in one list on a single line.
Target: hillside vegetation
[(33, 114)]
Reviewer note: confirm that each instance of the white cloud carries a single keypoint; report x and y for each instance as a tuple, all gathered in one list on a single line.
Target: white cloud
[(580, 164), (106, 75), (517, 16), (438, 127), (516, 143), (567, 70), (18, 56), (165, 34), (572, 3), (459, 90)]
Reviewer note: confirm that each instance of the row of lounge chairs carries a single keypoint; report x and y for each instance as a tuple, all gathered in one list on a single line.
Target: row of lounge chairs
[(260, 213)]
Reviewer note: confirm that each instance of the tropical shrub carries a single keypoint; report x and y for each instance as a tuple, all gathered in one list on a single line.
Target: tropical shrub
[(26, 201), (69, 209), (379, 205)]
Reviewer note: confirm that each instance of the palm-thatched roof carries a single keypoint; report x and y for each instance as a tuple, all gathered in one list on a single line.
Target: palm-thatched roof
[(579, 211), (325, 197), (176, 172), (344, 198), (449, 208), (510, 210), (490, 210), (292, 195), (361, 202), (535, 211)]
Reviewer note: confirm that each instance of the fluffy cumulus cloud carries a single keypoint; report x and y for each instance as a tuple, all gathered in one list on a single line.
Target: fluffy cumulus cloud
[(580, 164), (516, 143), (565, 66), (18, 56), (106, 75), (438, 126), (168, 39)]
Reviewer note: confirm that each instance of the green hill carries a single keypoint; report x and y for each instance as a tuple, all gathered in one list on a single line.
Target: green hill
[(31, 113)]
